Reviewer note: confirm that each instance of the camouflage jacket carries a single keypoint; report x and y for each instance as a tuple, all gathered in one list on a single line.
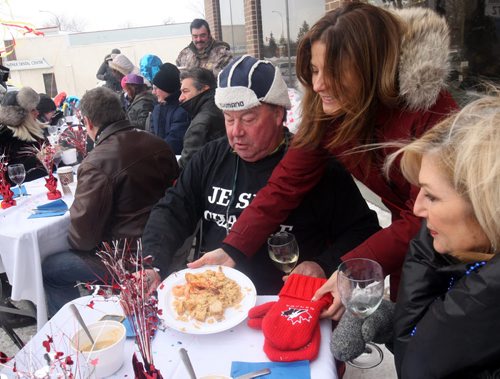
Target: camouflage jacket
[(215, 57)]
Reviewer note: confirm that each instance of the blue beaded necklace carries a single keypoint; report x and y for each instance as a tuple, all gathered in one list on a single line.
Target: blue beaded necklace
[(470, 268)]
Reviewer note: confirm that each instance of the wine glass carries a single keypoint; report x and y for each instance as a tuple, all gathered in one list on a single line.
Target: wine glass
[(17, 173), (53, 136), (58, 155), (283, 251), (360, 283)]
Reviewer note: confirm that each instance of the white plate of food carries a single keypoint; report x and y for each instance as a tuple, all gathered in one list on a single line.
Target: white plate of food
[(206, 300)]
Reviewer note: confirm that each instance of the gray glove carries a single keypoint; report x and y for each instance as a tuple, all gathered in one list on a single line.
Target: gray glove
[(347, 341), (378, 326), (352, 333)]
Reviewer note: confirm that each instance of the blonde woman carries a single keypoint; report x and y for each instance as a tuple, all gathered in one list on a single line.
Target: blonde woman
[(20, 130), (446, 321)]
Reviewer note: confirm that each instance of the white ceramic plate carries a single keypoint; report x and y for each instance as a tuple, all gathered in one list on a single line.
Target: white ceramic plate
[(232, 316)]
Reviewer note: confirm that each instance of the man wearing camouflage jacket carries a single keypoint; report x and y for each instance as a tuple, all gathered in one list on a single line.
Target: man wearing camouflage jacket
[(204, 51)]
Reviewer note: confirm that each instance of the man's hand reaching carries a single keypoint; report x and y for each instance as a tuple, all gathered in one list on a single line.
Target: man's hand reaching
[(214, 257)]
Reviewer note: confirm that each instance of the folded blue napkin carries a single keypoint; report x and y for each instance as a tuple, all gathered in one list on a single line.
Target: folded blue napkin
[(279, 370), (54, 208), (128, 328), (16, 192)]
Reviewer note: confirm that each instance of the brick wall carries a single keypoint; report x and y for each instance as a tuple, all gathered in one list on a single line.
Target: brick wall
[(253, 27), (212, 15)]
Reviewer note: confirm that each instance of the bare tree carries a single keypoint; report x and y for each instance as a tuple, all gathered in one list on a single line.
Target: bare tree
[(197, 7), (65, 23), (126, 24)]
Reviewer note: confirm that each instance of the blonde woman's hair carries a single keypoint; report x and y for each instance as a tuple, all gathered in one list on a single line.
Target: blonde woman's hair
[(30, 129), (467, 148)]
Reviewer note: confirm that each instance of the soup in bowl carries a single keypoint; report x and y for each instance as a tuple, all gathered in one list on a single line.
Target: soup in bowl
[(109, 337)]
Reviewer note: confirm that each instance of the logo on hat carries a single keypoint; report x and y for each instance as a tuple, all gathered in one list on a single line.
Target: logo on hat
[(235, 104)]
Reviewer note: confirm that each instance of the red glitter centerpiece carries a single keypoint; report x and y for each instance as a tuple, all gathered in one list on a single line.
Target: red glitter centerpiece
[(45, 155), (125, 264), (7, 194)]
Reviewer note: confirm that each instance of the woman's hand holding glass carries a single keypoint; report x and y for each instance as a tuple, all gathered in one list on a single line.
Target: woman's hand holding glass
[(336, 310)]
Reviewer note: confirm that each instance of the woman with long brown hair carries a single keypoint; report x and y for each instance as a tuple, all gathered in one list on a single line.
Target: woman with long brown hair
[(370, 76)]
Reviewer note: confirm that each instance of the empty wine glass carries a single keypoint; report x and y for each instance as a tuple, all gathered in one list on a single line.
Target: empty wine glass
[(17, 174), (360, 283), (57, 159), (53, 136), (283, 251)]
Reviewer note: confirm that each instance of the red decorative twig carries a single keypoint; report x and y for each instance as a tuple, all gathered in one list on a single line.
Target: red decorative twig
[(125, 265), (77, 137), (45, 155)]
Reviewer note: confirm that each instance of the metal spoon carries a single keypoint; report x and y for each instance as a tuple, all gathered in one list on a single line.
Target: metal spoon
[(78, 316), (187, 362)]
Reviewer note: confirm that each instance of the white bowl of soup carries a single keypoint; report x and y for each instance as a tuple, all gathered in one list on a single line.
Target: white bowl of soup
[(109, 337)]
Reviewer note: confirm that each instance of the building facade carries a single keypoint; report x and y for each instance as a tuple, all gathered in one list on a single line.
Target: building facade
[(69, 62), (273, 27)]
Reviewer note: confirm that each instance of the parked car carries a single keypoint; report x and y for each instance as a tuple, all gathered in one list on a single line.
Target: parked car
[(287, 69)]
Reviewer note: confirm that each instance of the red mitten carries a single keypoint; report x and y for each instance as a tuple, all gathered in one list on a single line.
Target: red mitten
[(257, 313), (291, 322), (308, 352)]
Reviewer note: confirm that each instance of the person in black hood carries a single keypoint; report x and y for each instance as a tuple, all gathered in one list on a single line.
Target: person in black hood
[(47, 110), (168, 120)]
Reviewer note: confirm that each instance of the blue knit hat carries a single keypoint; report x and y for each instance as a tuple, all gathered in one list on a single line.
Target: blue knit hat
[(246, 82)]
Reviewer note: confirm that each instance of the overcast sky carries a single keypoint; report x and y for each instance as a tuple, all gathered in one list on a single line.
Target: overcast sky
[(102, 14)]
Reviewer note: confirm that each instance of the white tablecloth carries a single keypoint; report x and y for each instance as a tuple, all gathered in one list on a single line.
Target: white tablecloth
[(24, 243), (210, 354)]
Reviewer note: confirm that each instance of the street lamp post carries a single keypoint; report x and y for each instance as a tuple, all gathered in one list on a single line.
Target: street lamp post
[(288, 43), (55, 16)]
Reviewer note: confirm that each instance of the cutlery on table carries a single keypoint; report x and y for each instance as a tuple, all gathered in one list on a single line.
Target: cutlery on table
[(187, 362), (78, 316), (254, 374)]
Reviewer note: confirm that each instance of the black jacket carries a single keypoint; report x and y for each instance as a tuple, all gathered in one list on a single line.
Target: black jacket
[(447, 322), (19, 151), (207, 124), (169, 121), (140, 108), (216, 186)]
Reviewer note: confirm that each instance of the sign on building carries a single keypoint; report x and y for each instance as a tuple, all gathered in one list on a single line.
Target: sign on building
[(27, 64)]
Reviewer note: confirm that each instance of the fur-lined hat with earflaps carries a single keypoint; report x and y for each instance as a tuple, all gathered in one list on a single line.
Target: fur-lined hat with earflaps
[(16, 106)]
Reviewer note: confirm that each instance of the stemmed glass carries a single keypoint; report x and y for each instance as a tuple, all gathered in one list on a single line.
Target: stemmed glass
[(17, 174), (57, 158), (283, 251), (53, 134), (360, 283)]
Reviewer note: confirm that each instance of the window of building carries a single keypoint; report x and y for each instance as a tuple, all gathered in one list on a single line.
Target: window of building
[(232, 17), (49, 81), (284, 22), (475, 41)]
